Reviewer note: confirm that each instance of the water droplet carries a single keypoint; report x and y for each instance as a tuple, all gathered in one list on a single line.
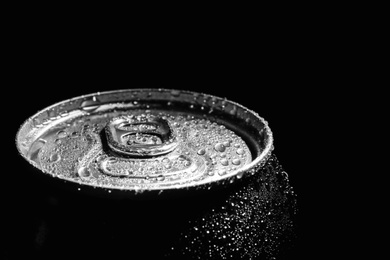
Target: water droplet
[(55, 157), (220, 147), (83, 172), (222, 172), (233, 111), (236, 161), (64, 114), (166, 160), (240, 151), (226, 143), (74, 134), (91, 104), (62, 134), (57, 141), (112, 160), (175, 93), (201, 151), (224, 162), (210, 173)]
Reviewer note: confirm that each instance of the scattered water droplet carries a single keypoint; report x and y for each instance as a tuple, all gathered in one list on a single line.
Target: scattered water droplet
[(222, 172), (210, 173), (112, 160), (224, 162), (55, 157), (202, 151), (166, 160), (219, 147), (240, 151), (236, 161), (83, 172), (226, 143), (62, 134), (91, 104), (175, 93)]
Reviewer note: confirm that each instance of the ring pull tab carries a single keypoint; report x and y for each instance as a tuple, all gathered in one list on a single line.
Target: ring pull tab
[(140, 136)]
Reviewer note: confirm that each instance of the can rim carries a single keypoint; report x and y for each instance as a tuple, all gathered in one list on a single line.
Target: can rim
[(251, 167)]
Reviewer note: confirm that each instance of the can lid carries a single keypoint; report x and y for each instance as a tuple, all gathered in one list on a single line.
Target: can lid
[(146, 139)]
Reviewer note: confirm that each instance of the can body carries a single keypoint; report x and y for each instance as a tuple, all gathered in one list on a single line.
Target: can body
[(145, 184)]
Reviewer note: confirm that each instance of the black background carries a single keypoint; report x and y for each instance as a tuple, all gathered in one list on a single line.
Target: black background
[(291, 81)]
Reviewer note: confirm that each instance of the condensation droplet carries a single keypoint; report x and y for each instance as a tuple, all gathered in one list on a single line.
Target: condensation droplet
[(175, 93), (55, 157), (240, 151), (83, 172), (90, 105), (224, 162), (202, 151), (219, 147), (236, 161), (62, 134), (166, 160), (210, 173), (222, 172)]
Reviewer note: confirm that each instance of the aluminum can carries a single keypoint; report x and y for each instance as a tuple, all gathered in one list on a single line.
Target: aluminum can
[(157, 174)]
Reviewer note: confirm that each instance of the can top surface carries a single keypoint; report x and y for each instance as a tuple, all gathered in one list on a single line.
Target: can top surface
[(146, 139)]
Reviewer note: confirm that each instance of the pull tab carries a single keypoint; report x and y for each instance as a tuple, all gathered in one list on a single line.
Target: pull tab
[(140, 136)]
